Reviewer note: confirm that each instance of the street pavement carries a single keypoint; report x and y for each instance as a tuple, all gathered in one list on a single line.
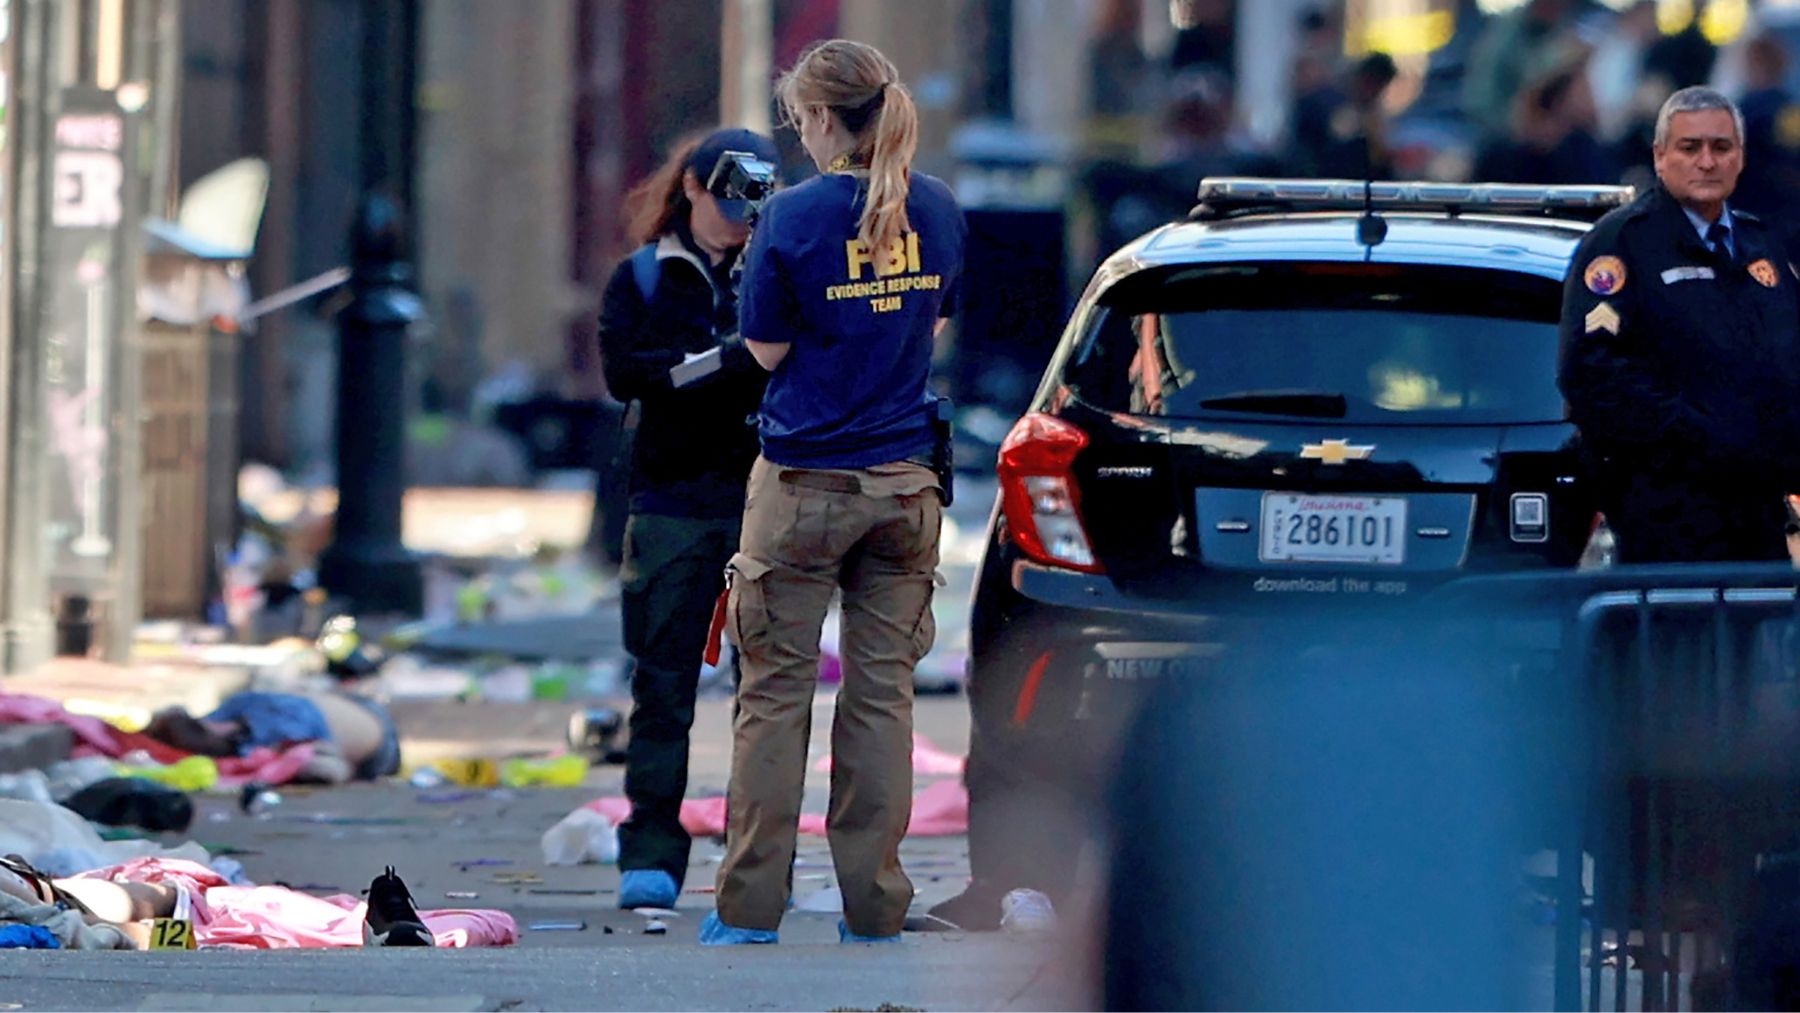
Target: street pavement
[(333, 840)]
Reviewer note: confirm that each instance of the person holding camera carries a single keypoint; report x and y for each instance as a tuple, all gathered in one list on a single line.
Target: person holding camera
[(691, 453), (846, 281)]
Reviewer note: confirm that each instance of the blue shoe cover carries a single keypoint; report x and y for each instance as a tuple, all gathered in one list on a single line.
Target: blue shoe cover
[(647, 888), (714, 932), (847, 936)]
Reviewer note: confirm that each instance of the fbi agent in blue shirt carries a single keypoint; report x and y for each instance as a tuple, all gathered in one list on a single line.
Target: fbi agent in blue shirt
[(847, 278)]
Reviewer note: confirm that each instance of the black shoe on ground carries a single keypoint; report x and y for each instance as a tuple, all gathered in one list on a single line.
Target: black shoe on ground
[(392, 920)]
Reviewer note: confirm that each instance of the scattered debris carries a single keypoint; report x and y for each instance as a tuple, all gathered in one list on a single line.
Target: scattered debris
[(1027, 913), (468, 772), (438, 797), (582, 836), (592, 731), (566, 771), (574, 926), (348, 821)]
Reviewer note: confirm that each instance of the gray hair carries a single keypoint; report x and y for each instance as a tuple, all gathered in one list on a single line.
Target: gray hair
[(1694, 100)]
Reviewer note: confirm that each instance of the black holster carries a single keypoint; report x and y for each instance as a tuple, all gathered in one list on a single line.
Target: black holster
[(943, 454)]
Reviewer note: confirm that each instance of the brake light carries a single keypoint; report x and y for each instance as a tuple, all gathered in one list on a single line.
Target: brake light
[(1038, 493)]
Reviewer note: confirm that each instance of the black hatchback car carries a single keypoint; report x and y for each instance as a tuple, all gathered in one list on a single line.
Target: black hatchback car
[(1310, 398)]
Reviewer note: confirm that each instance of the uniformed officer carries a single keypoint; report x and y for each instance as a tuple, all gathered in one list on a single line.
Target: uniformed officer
[(1681, 354), (690, 457), (846, 281)]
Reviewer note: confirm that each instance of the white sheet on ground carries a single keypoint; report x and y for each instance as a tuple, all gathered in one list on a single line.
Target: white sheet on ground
[(61, 843)]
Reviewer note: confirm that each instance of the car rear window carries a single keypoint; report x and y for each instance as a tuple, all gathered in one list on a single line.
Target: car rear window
[(1377, 343)]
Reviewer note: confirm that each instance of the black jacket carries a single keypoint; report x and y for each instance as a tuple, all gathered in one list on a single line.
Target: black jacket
[(1681, 368), (694, 446)]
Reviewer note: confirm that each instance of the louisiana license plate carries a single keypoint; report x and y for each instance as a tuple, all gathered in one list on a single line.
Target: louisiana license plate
[(1332, 529)]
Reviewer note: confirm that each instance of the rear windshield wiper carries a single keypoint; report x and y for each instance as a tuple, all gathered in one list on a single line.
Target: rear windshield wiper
[(1282, 402)]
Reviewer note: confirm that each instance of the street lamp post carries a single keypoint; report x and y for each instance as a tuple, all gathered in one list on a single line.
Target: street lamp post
[(367, 563)]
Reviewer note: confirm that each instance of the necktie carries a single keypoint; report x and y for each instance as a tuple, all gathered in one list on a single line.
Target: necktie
[(1718, 236)]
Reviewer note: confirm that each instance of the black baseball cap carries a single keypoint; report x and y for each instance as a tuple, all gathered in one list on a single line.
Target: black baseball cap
[(717, 143)]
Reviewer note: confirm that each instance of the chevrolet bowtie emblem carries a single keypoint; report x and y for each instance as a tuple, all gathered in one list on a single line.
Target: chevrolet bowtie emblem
[(1335, 452)]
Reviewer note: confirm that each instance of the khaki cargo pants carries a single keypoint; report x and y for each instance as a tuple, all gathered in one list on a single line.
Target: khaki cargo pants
[(873, 533)]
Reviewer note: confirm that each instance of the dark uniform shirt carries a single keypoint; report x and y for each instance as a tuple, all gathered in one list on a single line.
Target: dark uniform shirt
[(851, 392), (694, 446), (1681, 367)]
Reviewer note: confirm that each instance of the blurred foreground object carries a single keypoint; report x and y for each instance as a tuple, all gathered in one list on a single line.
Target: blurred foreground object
[(1567, 790)]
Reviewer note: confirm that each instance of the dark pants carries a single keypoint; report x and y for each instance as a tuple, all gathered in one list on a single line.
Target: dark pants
[(673, 572), (1660, 519)]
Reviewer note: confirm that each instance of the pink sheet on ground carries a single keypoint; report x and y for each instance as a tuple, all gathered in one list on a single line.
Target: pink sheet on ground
[(22, 709), (276, 918), (941, 810), (927, 758), (94, 737)]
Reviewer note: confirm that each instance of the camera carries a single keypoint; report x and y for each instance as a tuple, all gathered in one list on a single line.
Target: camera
[(739, 175), (736, 176)]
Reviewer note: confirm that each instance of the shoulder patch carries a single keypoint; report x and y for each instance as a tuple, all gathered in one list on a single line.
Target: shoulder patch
[(1603, 318), (1764, 273), (1604, 275)]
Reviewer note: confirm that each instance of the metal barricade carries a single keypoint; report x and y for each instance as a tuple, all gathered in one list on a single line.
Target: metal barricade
[(1690, 776), (1674, 715), (1384, 794)]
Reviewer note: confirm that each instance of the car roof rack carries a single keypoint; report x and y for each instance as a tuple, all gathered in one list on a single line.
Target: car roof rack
[(1223, 197)]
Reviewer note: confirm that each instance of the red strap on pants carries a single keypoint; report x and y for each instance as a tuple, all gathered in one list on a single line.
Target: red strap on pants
[(717, 632)]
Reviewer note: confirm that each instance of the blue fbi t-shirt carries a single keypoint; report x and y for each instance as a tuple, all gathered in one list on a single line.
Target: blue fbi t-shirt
[(851, 392)]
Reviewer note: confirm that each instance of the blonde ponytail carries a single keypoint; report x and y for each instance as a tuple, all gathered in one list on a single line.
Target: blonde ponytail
[(896, 138), (862, 89)]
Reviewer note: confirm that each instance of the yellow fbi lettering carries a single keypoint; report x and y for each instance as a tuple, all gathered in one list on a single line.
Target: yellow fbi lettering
[(884, 287), (899, 254)]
